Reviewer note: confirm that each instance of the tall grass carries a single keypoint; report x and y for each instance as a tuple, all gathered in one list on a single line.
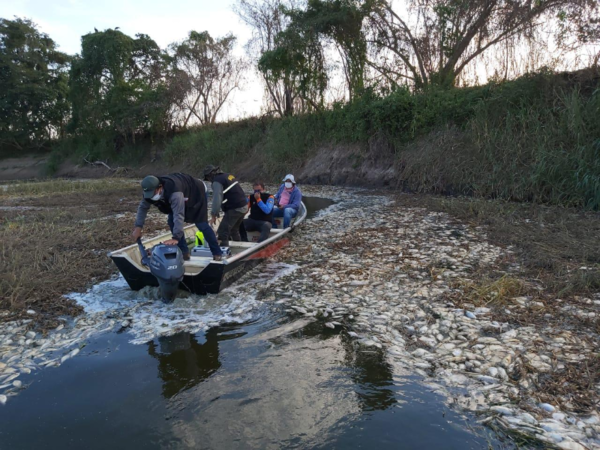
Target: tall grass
[(546, 148), (536, 138)]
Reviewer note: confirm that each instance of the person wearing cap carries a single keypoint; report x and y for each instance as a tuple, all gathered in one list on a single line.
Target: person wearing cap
[(183, 198), (287, 199), (229, 196)]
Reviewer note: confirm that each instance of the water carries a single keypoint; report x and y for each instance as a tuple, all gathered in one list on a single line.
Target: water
[(270, 382)]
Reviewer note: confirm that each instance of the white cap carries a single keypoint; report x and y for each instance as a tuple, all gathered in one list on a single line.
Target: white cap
[(290, 177)]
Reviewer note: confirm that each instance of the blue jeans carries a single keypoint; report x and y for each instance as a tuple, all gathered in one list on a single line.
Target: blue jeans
[(209, 235), (288, 214)]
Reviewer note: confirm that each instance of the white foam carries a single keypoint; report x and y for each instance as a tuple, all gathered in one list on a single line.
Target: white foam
[(150, 318)]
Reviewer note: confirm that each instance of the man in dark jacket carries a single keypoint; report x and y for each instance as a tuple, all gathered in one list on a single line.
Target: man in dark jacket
[(183, 198), (229, 196), (261, 211)]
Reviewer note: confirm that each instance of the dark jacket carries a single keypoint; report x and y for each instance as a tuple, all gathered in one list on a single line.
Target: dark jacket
[(258, 211), (233, 194), (183, 196)]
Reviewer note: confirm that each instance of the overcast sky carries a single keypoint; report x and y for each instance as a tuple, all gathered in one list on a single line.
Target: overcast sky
[(66, 21)]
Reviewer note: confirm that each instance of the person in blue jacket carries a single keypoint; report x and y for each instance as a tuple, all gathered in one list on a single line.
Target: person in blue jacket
[(287, 200), (261, 212)]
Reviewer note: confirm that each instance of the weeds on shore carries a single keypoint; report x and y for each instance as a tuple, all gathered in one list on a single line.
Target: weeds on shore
[(53, 187), (55, 240), (535, 139), (555, 246)]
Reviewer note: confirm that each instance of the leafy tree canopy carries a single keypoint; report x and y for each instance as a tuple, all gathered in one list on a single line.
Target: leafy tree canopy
[(33, 85)]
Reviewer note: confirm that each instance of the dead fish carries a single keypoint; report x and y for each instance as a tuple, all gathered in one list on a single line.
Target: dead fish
[(47, 363), (12, 377)]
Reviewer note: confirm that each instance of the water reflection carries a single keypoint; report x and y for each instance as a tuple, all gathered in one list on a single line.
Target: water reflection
[(367, 368), (183, 362), (372, 375), (303, 386)]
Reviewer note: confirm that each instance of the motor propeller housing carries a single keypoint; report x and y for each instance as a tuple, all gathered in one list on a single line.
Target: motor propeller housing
[(166, 264)]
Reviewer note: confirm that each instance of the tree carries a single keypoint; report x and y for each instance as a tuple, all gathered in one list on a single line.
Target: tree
[(342, 22), (117, 85), (434, 40), (208, 72), (33, 85), (297, 61), (267, 20)]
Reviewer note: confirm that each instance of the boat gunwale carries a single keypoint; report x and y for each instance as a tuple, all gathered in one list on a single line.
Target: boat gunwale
[(124, 252)]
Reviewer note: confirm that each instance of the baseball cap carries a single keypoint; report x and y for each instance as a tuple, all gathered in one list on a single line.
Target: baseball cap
[(149, 185)]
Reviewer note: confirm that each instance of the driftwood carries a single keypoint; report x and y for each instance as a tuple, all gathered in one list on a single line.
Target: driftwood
[(102, 163)]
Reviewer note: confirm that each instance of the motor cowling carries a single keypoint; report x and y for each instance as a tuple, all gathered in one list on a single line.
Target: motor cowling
[(166, 264)]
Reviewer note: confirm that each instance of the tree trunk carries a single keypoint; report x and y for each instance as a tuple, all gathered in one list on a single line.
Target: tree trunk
[(289, 104)]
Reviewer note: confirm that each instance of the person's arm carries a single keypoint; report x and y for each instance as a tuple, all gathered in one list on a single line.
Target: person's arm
[(267, 207), (140, 219), (297, 199), (142, 212), (217, 199), (177, 202)]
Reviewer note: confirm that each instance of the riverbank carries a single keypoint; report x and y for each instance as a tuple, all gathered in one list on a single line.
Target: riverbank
[(468, 301)]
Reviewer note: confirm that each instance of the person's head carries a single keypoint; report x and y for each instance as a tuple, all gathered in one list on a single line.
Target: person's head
[(289, 181), (210, 171), (258, 186), (152, 188)]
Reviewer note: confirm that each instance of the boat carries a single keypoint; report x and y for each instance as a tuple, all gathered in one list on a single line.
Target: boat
[(203, 275)]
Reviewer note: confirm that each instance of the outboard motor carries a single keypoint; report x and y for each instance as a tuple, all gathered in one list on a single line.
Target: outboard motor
[(166, 264)]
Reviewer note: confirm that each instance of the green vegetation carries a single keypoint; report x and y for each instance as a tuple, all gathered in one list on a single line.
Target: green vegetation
[(33, 83), (533, 139), (124, 99)]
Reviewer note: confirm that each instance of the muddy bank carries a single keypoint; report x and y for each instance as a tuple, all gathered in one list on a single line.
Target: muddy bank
[(371, 165)]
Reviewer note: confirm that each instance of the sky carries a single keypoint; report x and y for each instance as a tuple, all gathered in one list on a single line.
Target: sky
[(65, 21)]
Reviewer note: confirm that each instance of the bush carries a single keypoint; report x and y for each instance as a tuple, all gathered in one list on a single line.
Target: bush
[(536, 138)]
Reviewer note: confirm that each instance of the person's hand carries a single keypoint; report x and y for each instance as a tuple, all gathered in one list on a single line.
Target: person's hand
[(257, 196), (171, 242), (212, 220), (136, 233)]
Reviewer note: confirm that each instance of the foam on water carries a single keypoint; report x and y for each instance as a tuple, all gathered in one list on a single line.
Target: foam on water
[(149, 317)]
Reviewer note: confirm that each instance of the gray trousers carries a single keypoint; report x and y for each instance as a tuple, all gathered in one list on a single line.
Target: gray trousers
[(258, 225), (229, 229)]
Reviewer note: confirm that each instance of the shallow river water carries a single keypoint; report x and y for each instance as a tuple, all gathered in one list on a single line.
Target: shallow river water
[(273, 381)]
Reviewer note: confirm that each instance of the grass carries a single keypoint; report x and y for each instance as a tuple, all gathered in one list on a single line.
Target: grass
[(552, 243), (534, 139), (59, 243), (53, 187), (491, 292)]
